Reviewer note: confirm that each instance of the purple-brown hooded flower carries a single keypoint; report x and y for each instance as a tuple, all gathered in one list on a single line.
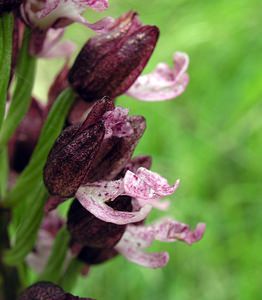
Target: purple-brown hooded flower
[(101, 240), (8, 5), (47, 291), (109, 63), (97, 149)]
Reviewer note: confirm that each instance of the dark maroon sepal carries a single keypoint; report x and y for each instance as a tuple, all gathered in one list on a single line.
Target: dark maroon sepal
[(71, 157), (109, 63)]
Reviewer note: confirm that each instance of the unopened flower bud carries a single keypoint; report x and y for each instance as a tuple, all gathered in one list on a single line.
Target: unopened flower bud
[(109, 63)]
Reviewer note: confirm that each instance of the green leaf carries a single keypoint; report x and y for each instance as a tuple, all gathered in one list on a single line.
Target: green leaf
[(27, 231), (6, 38), (56, 261), (4, 169), (25, 75), (69, 278), (34, 171)]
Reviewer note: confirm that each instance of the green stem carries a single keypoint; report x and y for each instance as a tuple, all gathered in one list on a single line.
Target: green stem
[(6, 39), (25, 75)]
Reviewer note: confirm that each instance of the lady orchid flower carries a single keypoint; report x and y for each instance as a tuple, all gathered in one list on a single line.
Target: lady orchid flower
[(99, 241), (110, 64), (97, 149)]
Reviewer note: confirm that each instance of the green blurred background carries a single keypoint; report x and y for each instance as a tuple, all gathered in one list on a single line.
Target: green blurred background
[(210, 138)]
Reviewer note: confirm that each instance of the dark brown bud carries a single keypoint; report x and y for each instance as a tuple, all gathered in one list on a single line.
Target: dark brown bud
[(87, 230), (109, 63), (47, 291), (8, 5), (74, 151)]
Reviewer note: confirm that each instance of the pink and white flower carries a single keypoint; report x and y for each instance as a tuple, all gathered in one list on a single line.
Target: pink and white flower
[(145, 187)]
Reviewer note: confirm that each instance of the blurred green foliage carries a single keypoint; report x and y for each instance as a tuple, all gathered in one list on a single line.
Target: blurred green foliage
[(210, 138)]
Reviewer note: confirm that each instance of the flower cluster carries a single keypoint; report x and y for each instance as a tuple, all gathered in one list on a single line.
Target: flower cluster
[(92, 159)]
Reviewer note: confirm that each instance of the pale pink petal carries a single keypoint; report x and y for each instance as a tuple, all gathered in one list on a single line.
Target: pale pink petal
[(93, 199), (102, 26), (181, 61), (158, 183), (147, 185), (156, 203), (136, 187), (164, 83), (138, 237), (149, 260), (116, 123), (98, 5), (166, 230)]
